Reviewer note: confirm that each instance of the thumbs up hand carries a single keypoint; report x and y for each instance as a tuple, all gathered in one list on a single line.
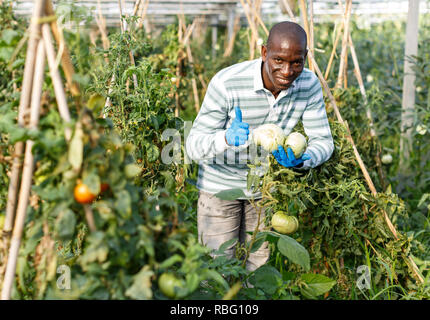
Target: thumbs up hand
[(238, 132)]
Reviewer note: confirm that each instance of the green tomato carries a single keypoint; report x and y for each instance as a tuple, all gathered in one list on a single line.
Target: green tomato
[(269, 136), (387, 158), (167, 283), (297, 142), (284, 224), (131, 170)]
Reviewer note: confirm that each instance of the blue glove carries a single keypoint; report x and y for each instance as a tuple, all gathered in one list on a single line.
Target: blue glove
[(290, 160), (238, 132)]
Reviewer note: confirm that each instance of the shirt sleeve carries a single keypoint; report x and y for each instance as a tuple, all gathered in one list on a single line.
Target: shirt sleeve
[(317, 128), (207, 135)]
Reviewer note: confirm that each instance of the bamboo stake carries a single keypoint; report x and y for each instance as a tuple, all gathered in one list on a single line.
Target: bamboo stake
[(408, 259), (393, 230), (229, 50), (254, 32), (67, 65), (344, 52), (142, 14), (257, 16), (108, 102), (357, 73), (289, 11), (306, 25), (101, 23), (120, 16), (60, 95), (24, 103), (90, 217), (130, 53), (26, 175), (136, 7), (345, 73), (311, 31), (184, 42), (333, 52)]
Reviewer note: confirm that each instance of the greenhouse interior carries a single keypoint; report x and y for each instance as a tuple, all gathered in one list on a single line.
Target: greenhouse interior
[(215, 150)]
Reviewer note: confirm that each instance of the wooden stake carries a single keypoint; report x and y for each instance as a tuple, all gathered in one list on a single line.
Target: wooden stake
[(101, 23), (66, 61), (90, 218), (60, 95), (306, 25), (289, 11), (344, 52), (408, 259), (311, 31), (333, 52), (26, 175), (254, 32), (143, 14), (359, 78), (257, 16), (229, 49), (24, 104), (108, 102), (184, 42)]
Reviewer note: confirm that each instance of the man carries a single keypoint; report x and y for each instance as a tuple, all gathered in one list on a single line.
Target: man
[(273, 89)]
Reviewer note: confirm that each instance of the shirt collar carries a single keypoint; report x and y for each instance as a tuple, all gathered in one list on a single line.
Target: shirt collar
[(258, 77)]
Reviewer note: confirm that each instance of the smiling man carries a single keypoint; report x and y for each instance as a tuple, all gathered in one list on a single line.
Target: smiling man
[(273, 89)]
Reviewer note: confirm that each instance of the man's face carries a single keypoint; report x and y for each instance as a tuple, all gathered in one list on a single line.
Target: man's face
[(283, 63)]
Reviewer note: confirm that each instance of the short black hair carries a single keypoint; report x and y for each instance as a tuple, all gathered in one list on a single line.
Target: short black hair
[(287, 29)]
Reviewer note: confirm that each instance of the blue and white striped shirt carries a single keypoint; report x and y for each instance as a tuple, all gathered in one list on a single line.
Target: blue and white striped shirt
[(223, 167)]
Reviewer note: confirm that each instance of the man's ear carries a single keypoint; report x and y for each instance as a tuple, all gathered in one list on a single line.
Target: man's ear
[(306, 54), (263, 53)]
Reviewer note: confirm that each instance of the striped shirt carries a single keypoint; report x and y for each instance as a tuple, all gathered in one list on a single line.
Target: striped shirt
[(223, 167)]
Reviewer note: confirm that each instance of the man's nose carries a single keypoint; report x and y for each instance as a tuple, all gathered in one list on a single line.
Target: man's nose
[(287, 70)]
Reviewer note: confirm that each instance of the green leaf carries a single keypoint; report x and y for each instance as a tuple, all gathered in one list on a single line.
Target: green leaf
[(123, 203), (266, 278), (92, 180), (65, 224), (212, 274), (294, 251), (226, 245), (97, 251), (424, 197), (96, 103), (260, 238), (192, 281), (231, 194), (8, 35), (76, 149), (170, 261), (141, 287), (152, 153), (315, 285), (6, 53)]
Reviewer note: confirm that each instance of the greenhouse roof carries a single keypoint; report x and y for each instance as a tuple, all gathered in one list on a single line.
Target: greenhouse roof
[(165, 11)]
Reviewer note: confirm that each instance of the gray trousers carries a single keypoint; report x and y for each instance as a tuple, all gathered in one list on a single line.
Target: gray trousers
[(221, 220)]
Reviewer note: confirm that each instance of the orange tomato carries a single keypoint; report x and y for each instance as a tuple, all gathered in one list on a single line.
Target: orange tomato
[(83, 194)]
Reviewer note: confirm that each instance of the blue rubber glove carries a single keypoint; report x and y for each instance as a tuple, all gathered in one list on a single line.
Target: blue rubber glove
[(238, 132), (289, 160)]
